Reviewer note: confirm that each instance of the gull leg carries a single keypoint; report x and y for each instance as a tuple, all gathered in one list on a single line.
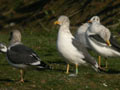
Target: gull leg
[(76, 68), (21, 76), (99, 61), (67, 69), (106, 64)]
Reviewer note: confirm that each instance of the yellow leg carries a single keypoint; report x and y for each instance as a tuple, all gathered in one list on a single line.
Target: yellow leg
[(99, 61), (76, 68), (21, 76), (106, 66), (67, 69)]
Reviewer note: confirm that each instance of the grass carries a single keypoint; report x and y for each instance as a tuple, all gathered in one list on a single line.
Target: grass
[(44, 43)]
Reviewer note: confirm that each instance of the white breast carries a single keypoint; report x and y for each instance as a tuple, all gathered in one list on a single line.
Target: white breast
[(103, 50), (67, 50)]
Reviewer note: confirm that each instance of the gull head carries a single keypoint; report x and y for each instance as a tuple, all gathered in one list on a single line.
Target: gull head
[(95, 19), (15, 36), (105, 34), (62, 20), (3, 48)]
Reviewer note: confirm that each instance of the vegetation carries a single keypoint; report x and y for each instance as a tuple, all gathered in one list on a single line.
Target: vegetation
[(46, 11), (44, 43), (35, 20)]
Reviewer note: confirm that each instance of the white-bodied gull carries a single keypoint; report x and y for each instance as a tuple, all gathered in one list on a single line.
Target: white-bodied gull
[(93, 25), (102, 31), (19, 55), (69, 47), (80, 35), (101, 40)]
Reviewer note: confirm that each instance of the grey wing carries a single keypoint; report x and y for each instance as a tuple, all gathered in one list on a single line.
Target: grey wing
[(88, 58), (97, 38), (21, 54)]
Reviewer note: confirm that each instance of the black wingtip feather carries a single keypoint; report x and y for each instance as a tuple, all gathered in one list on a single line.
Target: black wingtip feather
[(43, 66), (115, 43)]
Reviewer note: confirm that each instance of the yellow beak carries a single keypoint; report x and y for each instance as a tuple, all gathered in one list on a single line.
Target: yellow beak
[(108, 42), (89, 21), (56, 22)]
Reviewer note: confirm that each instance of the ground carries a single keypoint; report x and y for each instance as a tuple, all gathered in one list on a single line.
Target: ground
[(35, 19), (44, 44)]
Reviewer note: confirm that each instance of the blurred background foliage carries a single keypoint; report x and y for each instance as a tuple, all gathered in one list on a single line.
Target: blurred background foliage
[(42, 13), (35, 20)]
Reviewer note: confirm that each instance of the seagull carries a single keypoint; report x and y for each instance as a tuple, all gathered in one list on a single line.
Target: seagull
[(69, 47), (100, 39), (20, 56), (102, 31), (80, 35), (93, 25), (96, 27)]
